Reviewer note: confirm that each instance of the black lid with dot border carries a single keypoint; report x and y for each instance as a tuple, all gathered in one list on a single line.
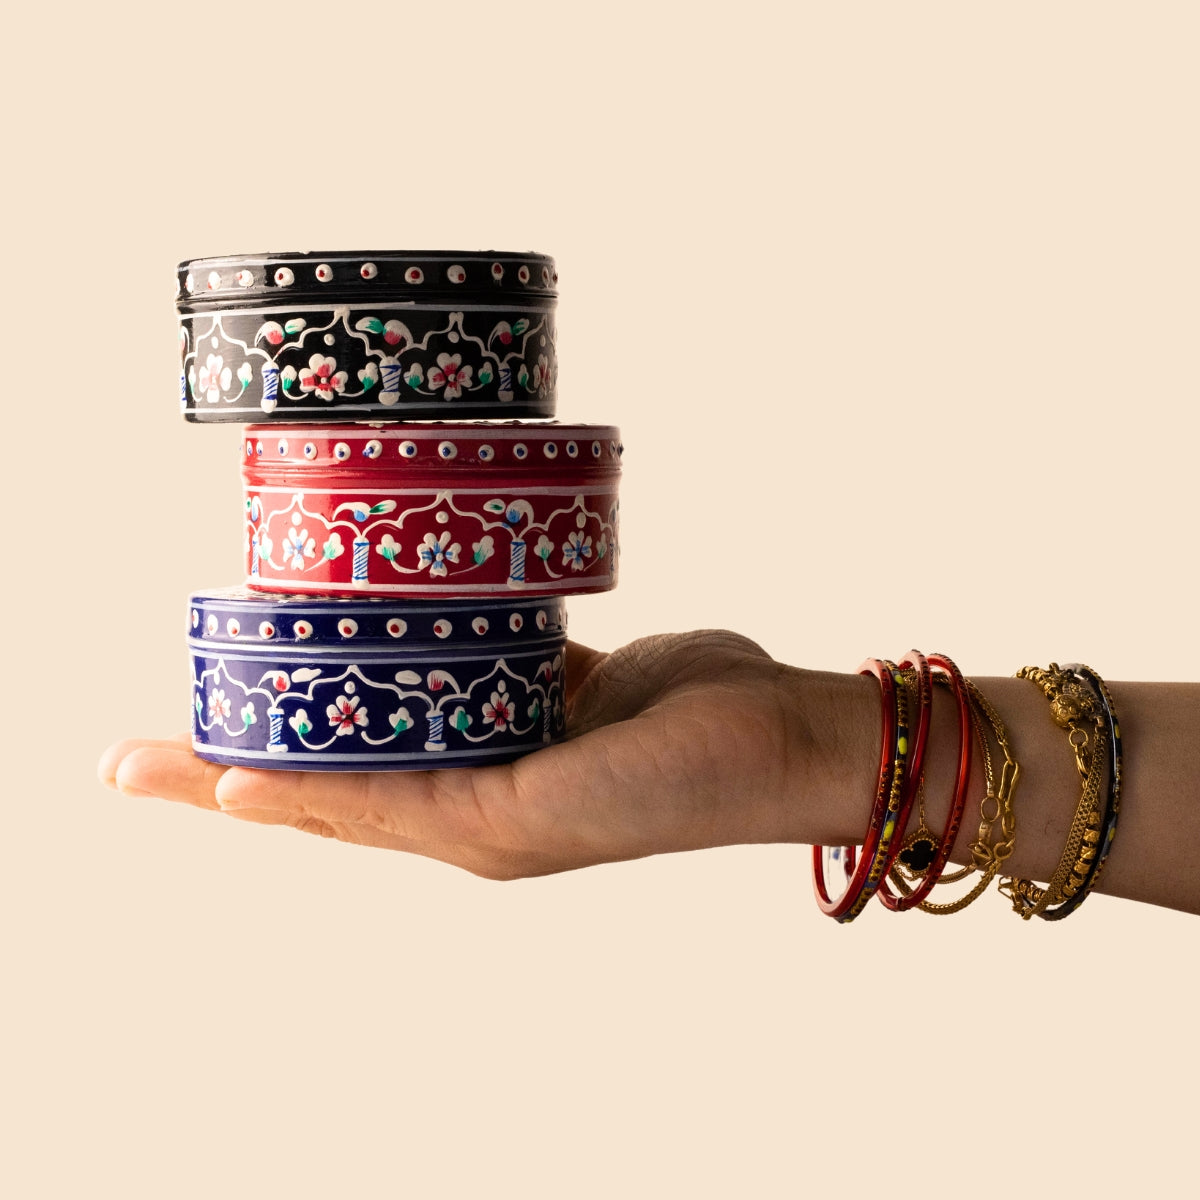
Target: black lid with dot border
[(346, 276), (367, 335)]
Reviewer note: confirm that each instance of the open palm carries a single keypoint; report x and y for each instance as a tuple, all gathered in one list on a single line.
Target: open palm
[(675, 742)]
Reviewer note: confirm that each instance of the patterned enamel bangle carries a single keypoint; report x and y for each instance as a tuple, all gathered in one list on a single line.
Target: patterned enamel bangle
[(1077, 888), (927, 855), (865, 870), (1074, 709)]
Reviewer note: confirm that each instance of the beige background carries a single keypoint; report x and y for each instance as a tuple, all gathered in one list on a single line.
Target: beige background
[(910, 284)]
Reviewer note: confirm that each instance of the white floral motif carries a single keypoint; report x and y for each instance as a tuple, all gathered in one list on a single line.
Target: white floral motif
[(576, 549), (333, 548), (543, 377), (388, 547), (501, 710), (437, 552), (297, 546), (345, 714), (322, 376), (451, 374), (483, 549), (300, 722), (248, 717), (219, 705), (400, 720), (544, 548), (215, 377)]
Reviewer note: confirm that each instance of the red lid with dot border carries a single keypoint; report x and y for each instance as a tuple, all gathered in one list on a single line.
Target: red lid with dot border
[(344, 335), (444, 509)]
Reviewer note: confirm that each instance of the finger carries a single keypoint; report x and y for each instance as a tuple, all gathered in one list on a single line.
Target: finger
[(581, 661), (170, 771), (110, 760)]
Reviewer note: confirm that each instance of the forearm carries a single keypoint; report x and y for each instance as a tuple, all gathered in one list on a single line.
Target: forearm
[(1156, 854)]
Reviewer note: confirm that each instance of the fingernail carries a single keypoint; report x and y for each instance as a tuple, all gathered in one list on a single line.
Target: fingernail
[(134, 793)]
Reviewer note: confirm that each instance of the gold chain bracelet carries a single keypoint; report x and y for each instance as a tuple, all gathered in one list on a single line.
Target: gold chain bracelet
[(987, 858)]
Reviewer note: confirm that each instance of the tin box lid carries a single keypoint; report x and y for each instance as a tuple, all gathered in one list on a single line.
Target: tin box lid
[(228, 619), (365, 276), (448, 451)]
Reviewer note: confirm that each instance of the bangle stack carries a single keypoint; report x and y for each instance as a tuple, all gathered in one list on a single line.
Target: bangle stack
[(913, 861)]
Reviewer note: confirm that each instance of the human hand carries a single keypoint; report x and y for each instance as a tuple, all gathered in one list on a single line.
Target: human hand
[(675, 742)]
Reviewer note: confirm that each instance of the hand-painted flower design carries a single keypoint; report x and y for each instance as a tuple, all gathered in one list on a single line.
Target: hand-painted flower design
[(544, 548), (437, 551), (543, 375), (215, 377), (345, 714), (300, 722), (245, 374), (369, 376), (247, 714), (388, 547), (450, 374), (322, 376), (219, 705), (297, 546), (483, 549), (414, 376), (400, 720), (577, 549), (333, 548), (501, 710)]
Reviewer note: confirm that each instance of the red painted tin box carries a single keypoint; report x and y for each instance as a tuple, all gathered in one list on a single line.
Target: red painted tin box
[(431, 510)]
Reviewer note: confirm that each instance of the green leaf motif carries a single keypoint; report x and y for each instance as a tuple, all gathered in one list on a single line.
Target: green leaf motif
[(461, 719), (295, 325), (523, 377), (485, 374), (369, 325), (534, 710), (384, 506), (520, 326), (496, 506), (303, 728), (388, 553)]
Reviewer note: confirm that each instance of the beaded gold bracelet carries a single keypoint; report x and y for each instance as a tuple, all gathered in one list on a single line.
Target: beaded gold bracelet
[(1074, 707)]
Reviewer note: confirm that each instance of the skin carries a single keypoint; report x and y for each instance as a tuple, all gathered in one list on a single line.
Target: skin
[(687, 741)]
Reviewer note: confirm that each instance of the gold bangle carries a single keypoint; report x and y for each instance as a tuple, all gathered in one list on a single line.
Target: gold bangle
[(1073, 708)]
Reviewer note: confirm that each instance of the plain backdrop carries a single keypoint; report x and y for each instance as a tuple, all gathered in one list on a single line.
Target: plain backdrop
[(896, 307)]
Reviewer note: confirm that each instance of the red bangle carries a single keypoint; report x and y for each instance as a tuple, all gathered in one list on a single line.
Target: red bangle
[(888, 813), (910, 899)]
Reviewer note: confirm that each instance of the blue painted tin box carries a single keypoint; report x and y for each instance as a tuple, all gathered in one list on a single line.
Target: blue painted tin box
[(310, 684)]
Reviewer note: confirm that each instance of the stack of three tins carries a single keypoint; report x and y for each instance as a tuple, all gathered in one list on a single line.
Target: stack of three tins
[(414, 518)]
